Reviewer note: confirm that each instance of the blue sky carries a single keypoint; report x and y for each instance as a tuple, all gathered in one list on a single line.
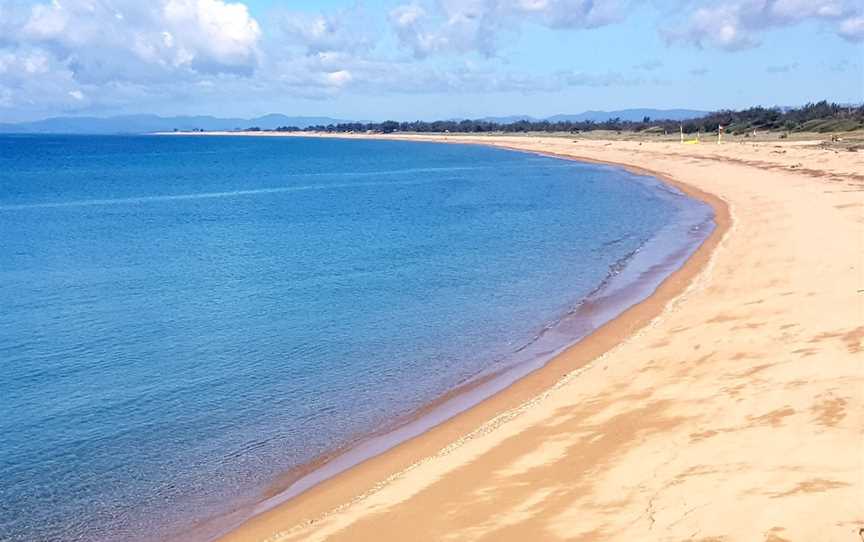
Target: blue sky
[(410, 59)]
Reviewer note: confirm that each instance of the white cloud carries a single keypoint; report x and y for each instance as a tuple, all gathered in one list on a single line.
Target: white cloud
[(130, 40), (737, 24), (407, 15), (571, 13), (222, 34), (341, 30), (475, 25), (339, 78), (327, 74), (33, 79), (22, 64), (453, 27), (55, 54), (853, 28)]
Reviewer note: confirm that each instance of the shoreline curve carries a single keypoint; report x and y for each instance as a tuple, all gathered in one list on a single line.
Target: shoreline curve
[(345, 486)]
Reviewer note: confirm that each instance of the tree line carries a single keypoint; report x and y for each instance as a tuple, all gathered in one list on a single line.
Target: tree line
[(821, 117)]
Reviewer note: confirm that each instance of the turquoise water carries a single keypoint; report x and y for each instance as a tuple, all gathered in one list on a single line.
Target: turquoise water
[(184, 319)]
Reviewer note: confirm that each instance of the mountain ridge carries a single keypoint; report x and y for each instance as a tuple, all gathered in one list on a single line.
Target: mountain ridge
[(147, 123), (142, 124)]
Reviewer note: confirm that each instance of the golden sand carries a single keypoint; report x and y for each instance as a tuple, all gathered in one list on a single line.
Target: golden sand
[(727, 406)]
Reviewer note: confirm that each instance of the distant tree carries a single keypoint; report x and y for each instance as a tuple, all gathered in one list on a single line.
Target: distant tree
[(388, 127)]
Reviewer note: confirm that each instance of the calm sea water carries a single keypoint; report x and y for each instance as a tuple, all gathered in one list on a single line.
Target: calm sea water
[(183, 319)]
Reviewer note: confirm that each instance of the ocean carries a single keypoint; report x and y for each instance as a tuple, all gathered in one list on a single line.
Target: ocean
[(184, 319)]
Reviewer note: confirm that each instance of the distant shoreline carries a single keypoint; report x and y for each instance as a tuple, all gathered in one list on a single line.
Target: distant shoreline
[(854, 139)]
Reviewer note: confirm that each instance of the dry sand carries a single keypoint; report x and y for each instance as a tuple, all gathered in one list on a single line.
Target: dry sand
[(728, 406)]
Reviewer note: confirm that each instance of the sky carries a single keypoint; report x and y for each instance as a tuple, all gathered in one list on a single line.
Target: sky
[(422, 59)]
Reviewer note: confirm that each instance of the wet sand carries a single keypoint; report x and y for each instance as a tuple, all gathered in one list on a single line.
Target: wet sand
[(728, 405)]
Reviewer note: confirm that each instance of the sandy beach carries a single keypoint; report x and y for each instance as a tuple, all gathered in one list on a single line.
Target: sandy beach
[(727, 406)]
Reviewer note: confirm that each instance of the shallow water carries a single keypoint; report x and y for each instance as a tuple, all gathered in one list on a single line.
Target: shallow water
[(186, 318)]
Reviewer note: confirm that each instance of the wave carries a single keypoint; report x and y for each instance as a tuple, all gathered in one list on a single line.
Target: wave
[(201, 195), (250, 192)]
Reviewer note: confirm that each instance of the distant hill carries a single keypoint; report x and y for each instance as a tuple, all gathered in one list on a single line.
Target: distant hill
[(142, 124), (813, 117)]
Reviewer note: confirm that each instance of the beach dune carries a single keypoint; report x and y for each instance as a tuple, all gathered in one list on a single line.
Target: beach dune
[(729, 406)]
